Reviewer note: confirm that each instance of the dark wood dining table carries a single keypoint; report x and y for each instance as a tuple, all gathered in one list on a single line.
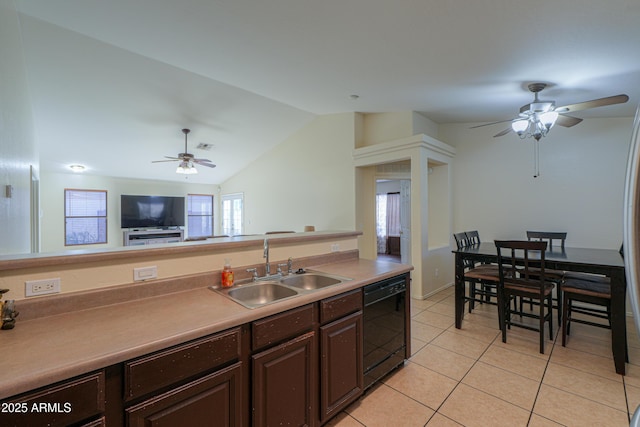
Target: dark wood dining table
[(607, 262)]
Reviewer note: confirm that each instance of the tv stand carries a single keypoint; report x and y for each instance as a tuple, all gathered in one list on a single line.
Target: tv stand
[(139, 237)]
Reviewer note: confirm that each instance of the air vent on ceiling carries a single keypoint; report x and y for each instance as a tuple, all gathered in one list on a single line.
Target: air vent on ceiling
[(204, 146)]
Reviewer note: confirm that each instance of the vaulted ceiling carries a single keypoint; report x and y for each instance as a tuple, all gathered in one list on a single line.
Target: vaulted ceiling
[(113, 82)]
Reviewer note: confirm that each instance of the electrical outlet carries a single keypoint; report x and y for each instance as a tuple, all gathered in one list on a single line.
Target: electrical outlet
[(335, 247), (42, 287), (437, 272), (145, 273)]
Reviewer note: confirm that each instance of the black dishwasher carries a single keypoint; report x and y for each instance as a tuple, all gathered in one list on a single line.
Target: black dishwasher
[(384, 327)]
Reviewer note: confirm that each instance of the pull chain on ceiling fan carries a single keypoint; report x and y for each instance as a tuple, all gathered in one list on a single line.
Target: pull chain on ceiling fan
[(186, 159), (536, 119)]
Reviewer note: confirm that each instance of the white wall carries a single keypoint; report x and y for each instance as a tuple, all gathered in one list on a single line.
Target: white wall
[(17, 146), (580, 189), (52, 197), (308, 179)]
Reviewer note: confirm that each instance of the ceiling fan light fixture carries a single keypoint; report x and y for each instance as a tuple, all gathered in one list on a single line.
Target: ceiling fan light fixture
[(520, 126), (186, 168), (548, 119)]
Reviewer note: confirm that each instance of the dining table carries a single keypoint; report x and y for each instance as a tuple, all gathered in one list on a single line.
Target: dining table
[(607, 262)]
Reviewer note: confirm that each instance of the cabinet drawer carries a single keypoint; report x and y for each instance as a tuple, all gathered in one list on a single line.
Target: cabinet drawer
[(150, 373), (59, 405), (279, 327), (213, 400), (340, 305)]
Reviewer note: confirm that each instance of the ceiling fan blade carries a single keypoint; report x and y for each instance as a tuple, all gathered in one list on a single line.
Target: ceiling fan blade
[(162, 161), (209, 165), (504, 132), (202, 160), (600, 102), (567, 121), (492, 123)]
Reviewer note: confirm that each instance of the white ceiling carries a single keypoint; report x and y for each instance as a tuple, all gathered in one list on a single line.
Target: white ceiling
[(113, 82)]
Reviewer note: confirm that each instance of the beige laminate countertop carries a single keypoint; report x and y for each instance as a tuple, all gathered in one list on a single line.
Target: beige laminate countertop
[(46, 350)]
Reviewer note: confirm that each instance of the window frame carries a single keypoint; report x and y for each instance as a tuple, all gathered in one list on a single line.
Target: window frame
[(212, 216), (105, 216)]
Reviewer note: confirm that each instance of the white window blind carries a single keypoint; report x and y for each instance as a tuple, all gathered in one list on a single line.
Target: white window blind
[(200, 215), (85, 214)]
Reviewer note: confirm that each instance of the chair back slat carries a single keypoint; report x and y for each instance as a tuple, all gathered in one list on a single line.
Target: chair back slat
[(473, 237), (517, 257), (461, 240), (548, 236)]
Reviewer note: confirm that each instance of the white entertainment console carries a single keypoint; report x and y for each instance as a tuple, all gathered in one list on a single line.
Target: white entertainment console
[(138, 237)]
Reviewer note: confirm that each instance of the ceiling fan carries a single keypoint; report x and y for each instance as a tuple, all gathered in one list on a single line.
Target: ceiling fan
[(187, 160), (538, 117)]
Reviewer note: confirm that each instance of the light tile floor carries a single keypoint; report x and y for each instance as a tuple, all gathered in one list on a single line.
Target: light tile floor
[(469, 377)]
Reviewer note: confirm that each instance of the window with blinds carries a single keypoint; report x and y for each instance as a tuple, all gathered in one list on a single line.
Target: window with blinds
[(199, 215), (85, 217)]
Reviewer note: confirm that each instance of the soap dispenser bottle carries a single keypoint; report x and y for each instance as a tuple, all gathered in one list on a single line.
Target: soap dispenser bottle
[(227, 275)]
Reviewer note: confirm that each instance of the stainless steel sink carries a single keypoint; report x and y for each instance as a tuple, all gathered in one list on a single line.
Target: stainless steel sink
[(259, 294), (311, 281)]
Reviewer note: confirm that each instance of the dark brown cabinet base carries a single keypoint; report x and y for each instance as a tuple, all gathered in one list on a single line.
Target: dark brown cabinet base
[(298, 368), (341, 364), (211, 401), (284, 381)]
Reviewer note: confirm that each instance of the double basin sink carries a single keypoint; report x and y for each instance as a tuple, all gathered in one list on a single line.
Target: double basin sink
[(260, 293)]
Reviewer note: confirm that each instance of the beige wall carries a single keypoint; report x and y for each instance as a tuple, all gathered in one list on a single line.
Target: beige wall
[(306, 180), (382, 127), (580, 189), (52, 198), (17, 146)]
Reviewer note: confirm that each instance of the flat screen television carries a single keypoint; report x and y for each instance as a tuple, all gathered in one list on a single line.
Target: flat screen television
[(151, 211)]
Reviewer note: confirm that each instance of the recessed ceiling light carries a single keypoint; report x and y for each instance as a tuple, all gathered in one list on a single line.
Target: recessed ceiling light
[(77, 168)]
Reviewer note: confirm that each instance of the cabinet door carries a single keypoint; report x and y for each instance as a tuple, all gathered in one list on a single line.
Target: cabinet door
[(214, 400), (284, 383), (341, 372)]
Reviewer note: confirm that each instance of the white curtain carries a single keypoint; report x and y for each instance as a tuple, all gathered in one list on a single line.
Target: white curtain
[(387, 218), (393, 214), (381, 222)]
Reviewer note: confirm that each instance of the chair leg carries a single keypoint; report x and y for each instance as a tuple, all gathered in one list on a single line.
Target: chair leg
[(541, 319), (504, 305), (559, 297), (565, 318), (472, 294), (550, 313)]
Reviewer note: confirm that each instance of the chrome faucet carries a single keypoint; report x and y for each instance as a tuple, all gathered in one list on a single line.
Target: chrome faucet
[(265, 255)]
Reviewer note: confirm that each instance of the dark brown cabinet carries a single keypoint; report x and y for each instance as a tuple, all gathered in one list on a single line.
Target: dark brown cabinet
[(284, 383), (199, 383), (341, 343), (341, 364), (69, 402), (211, 401), (284, 369), (299, 368)]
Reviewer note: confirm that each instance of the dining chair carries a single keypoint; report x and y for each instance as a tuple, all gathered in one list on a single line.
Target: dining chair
[(482, 278), (591, 289), (516, 259), (555, 276)]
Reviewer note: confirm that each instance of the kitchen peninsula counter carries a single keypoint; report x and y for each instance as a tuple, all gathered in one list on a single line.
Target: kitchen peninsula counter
[(44, 350)]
